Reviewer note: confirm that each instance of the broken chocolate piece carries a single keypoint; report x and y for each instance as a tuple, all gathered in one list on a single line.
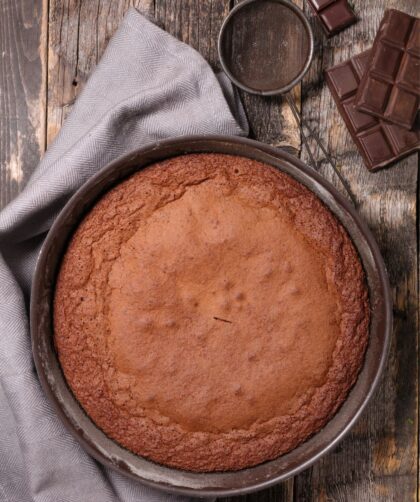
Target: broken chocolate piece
[(379, 142), (390, 89), (334, 15)]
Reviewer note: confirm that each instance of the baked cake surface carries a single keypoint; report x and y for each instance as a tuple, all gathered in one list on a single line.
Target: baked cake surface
[(210, 313)]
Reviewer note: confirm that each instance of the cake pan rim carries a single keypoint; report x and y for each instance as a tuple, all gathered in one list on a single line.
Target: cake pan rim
[(174, 480)]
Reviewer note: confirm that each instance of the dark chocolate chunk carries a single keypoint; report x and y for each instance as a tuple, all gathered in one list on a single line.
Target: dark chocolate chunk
[(386, 62), (376, 145), (390, 88), (379, 142), (334, 15), (413, 46), (409, 75), (377, 93), (346, 81), (321, 4)]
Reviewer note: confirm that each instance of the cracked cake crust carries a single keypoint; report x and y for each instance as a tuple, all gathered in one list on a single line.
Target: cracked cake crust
[(210, 313)]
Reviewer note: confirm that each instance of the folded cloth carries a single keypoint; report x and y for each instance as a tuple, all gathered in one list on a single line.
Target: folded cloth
[(148, 86)]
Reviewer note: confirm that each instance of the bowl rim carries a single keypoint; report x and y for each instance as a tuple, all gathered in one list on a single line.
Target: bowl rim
[(41, 335)]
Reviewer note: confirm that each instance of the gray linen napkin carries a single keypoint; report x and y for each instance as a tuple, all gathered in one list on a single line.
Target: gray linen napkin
[(148, 86)]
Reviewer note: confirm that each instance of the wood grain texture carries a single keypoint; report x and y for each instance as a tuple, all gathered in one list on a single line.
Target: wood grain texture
[(195, 23), (79, 31), (22, 92), (379, 459)]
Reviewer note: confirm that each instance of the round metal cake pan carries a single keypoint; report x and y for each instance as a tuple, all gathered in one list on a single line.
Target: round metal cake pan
[(109, 452)]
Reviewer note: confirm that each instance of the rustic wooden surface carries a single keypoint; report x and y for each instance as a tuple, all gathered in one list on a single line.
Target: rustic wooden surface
[(47, 51)]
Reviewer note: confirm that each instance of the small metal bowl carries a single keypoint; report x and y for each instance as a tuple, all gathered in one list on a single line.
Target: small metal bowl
[(109, 452)]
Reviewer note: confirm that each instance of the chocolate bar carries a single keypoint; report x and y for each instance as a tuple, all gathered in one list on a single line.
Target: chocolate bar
[(379, 142), (390, 89), (334, 15)]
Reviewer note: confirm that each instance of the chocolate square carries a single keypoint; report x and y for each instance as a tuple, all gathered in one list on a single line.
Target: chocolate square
[(360, 62), (375, 145), (334, 15), (402, 106), (344, 80), (375, 95), (337, 15), (413, 46), (402, 139), (359, 120), (386, 61), (409, 75)]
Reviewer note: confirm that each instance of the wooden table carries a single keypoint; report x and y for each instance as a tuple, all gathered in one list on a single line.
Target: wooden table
[(48, 49)]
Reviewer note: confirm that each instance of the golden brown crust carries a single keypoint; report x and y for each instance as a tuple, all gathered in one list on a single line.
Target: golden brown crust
[(210, 313)]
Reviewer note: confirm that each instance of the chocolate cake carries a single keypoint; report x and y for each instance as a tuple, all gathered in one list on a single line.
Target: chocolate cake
[(210, 313)]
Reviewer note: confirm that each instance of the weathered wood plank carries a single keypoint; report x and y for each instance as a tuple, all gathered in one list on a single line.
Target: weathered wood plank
[(378, 461), (22, 92), (79, 31), (195, 23)]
